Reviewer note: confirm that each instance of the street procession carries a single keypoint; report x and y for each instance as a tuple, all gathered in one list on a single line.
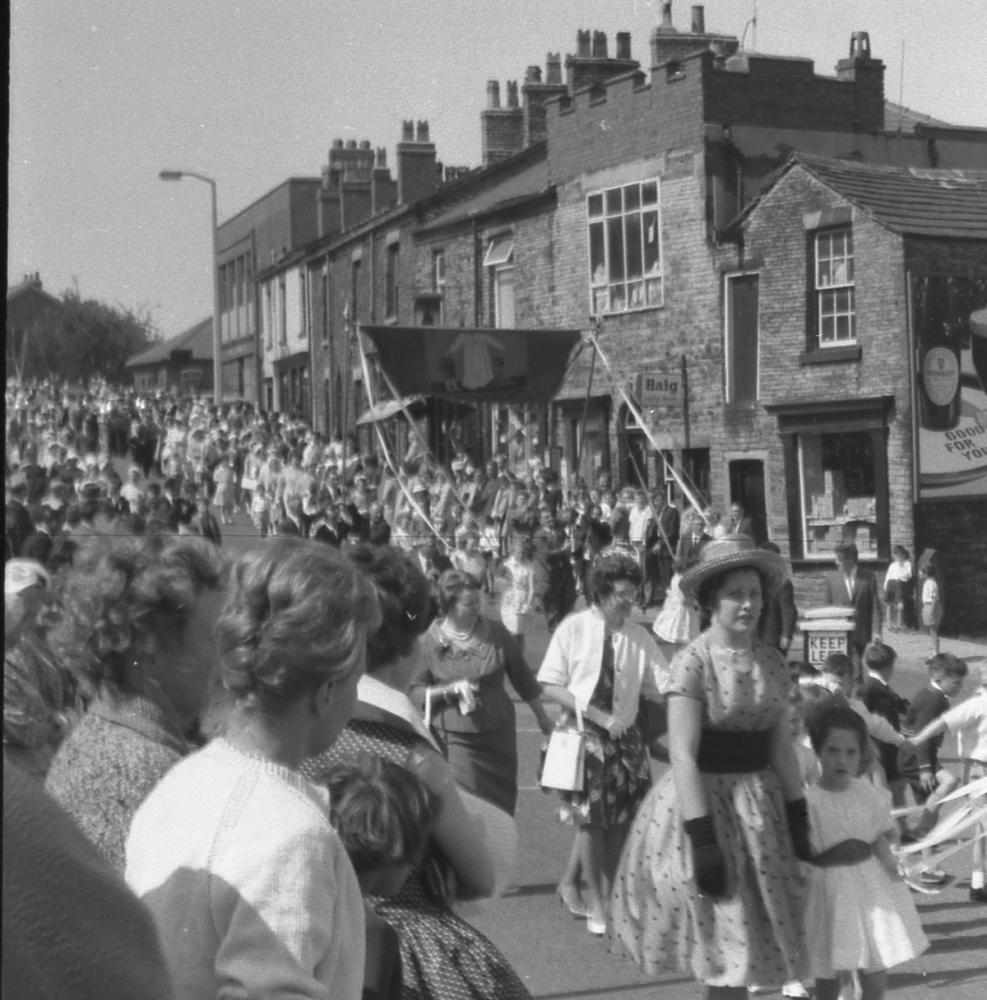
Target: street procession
[(558, 576)]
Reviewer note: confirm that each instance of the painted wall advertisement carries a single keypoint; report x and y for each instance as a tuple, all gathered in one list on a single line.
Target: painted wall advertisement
[(949, 320)]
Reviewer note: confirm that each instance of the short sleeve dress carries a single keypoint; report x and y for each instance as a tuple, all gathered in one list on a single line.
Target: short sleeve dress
[(752, 935), (856, 916)]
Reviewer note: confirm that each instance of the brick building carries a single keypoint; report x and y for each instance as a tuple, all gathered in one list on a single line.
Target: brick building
[(30, 310), (870, 292), (259, 235)]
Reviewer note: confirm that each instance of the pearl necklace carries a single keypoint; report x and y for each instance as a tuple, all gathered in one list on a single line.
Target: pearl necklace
[(455, 634), (741, 660)]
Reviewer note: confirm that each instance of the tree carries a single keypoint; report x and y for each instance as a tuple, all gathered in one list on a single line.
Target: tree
[(88, 338)]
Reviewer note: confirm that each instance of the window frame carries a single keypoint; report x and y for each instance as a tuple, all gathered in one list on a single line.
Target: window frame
[(602, 211), (391, 281), (498, 262), (821, 292)]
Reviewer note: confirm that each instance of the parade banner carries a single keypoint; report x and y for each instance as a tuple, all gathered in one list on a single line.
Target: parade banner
[(949, 323), (502, 366)]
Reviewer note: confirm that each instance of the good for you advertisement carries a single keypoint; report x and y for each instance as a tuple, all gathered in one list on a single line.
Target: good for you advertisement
[(949, 316)]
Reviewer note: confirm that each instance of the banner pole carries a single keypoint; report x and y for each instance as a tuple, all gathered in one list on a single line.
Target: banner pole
[(636, 413)]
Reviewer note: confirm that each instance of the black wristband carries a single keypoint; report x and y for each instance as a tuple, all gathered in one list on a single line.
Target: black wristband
[(700, 831)]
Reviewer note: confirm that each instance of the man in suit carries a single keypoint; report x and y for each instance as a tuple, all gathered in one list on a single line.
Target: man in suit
[(780, 613), (738, 523), (853, 587), (661, 542), (692, 539)]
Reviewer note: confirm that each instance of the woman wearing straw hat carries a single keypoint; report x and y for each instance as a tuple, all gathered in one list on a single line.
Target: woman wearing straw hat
[(709, 881)]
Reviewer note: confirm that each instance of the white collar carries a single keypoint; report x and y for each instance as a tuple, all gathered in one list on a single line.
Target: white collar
[(373, 692)]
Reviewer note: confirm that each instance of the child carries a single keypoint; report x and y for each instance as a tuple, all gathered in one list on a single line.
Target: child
[(490, 547), (969, 720), (383, 815), (859, 916), (518, 598), (880, 699), (260, 511), (946, 673), (223, 496), (896, 582), (931, 604), (837, 676)]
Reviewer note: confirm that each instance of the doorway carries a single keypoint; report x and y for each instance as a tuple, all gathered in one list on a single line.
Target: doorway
[(747, 489)]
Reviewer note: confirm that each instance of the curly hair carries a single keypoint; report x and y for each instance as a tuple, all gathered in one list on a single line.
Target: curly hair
[(828, 715), (382, 812), (450, 585), (608, 569), (297, 616), (405, 599), (121, 594)]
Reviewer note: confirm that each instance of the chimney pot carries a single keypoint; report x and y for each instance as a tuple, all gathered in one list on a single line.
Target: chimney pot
[(422, 133), (532, 74), (493, 93), (337, 143), (512, 94), (623, 45), (364, 144), (698, 20), (351, 143), (407, 131), (583, 44), (381, 157), (666, 14), (553, 68), (599, 45), (860, 45)]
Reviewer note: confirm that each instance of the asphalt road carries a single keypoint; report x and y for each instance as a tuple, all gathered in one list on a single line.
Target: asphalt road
[(558, 958)]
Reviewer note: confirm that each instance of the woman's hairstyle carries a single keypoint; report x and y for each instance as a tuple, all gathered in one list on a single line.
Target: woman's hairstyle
[(608, 569), (382, 812), (123, 595), (450, 585), (297, 616), (900, 550), (404, 595), (827, 716)]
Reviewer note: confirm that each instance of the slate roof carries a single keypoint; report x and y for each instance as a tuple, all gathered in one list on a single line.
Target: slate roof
[(197, 339), (914, 201)]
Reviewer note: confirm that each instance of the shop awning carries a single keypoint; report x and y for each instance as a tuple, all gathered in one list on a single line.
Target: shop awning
[(466, 365)]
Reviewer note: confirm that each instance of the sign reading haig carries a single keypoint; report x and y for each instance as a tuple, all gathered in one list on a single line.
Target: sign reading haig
[(659, 389)]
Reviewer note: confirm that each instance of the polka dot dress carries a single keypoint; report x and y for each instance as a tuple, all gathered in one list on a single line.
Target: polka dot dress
[(658, 918), (442, 956)]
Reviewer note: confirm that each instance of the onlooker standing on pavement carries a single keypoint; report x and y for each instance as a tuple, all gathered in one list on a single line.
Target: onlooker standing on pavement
[(780, 613), (639, 517), (853, 587), (896, 587), (931, 603)]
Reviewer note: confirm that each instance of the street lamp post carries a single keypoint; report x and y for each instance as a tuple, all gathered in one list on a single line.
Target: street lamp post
[(217, 359)]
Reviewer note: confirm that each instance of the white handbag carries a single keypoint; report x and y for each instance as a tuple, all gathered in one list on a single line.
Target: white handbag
[(564, 767)]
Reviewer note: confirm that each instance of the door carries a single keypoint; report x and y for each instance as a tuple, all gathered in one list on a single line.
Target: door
[(747, 489)]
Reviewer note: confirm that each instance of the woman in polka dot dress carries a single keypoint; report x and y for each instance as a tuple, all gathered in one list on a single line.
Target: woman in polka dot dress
[(708, 882)]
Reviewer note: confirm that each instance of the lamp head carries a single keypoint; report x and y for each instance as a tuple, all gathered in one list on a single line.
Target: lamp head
[(171, 175)]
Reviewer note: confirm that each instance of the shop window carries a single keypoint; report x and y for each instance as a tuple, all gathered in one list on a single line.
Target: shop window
[(624, 248), (833, 288), (836, 476)]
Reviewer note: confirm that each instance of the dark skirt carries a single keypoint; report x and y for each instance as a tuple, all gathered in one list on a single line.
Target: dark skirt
[(485, 764), (618, 776)]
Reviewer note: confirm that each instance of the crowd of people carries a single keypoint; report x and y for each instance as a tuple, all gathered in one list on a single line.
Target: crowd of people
[(288, 773)]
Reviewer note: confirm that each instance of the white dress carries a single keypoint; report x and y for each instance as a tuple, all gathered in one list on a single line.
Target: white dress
[(516, 599), (856, 916)]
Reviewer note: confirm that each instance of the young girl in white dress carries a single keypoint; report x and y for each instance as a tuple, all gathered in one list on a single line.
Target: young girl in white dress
[(859, 916)]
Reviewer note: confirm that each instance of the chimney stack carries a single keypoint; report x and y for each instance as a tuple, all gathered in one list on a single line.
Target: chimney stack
[(592, 66), (501, 128), (493, 93), (666, 15), (512, 101), (599, 45), (583, 45), (417, 173), (867, 76), (623, 45), (553, 68), (535, 94), (698, 20)]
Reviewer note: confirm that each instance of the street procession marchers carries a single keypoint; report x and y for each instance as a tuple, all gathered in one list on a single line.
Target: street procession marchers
[(291, 772)]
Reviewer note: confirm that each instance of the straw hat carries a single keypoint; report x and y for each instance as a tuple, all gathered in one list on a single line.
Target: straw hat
[(733, 552)]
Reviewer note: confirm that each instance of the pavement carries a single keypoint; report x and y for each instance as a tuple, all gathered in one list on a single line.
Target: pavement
[(559, 959)]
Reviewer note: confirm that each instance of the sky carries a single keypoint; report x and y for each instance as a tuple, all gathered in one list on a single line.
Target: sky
[(104, 94)]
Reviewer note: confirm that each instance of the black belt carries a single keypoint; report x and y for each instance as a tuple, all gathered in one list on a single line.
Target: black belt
[(724, 752)]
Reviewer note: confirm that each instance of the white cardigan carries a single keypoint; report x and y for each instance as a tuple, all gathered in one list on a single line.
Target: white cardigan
[(575, 654)]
